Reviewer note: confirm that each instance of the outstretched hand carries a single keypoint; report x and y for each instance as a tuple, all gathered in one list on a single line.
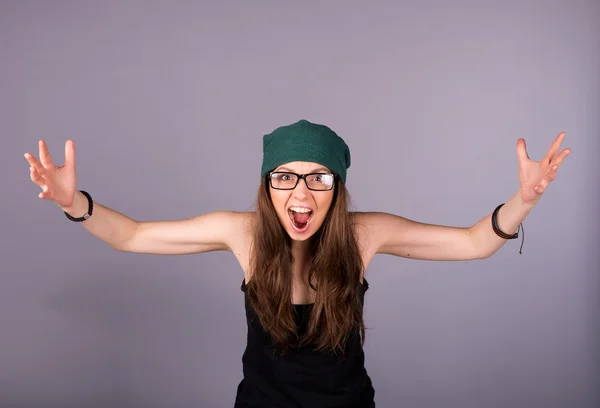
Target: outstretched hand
[(57, 182), (536, 176)]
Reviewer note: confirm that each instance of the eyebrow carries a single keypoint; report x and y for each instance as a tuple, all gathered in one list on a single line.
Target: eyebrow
[(318, 169)]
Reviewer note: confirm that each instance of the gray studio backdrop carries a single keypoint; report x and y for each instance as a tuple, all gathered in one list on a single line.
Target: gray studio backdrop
[(167, 103)]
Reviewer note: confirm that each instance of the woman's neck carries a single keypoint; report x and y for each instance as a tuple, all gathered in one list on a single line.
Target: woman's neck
[(301, 251)]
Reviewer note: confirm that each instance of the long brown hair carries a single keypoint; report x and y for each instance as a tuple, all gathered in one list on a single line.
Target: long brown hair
[(335, 272)]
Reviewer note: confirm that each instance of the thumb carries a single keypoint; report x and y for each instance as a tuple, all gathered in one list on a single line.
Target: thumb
[(70, 155), (522, 150)]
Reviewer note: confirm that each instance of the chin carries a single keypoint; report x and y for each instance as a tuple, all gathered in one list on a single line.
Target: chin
[(300, 237)]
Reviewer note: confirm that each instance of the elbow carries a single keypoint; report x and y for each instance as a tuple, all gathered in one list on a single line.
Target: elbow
[(120, 248), (483, 254), (127, 242), (477, 249)]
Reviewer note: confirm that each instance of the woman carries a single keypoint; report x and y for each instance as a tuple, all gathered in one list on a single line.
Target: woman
[(303, 255)]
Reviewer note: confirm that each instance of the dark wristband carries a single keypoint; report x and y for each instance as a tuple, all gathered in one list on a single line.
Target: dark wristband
[(88, 214), (503, 234)]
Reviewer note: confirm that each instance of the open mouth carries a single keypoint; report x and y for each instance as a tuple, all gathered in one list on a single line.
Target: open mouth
[(300, 218)]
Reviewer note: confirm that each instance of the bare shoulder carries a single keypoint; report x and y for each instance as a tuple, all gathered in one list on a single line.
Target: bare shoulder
[(231, 228), (240, 236), (375, 228)]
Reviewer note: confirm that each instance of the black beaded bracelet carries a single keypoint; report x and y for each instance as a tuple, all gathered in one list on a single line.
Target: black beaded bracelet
[(504, 235), (88, 214)]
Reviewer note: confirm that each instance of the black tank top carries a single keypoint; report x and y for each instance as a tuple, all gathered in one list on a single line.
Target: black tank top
[(303, 377)]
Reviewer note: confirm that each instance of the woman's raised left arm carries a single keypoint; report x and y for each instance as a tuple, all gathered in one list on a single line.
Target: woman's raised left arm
[(395, 235)]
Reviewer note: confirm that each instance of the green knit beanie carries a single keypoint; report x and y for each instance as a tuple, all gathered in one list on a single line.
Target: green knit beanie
[(305, 141)]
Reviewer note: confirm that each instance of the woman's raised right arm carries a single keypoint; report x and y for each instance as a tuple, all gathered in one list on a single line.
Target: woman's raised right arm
[(214, 231)]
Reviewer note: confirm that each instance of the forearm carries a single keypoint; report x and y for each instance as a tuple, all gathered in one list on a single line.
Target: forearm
[(509, 217), (106, 224)]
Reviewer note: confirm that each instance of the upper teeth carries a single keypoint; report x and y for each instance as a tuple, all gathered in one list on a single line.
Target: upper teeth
[(300, 209)]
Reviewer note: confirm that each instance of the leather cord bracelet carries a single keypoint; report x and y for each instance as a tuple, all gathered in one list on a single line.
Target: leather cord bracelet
[(89, 212), (504, 235)]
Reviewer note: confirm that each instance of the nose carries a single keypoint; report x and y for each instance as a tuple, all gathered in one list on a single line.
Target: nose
[(301, 190)]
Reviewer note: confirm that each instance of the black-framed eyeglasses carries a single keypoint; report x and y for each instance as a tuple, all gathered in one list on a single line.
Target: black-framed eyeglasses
[(285, 180)]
